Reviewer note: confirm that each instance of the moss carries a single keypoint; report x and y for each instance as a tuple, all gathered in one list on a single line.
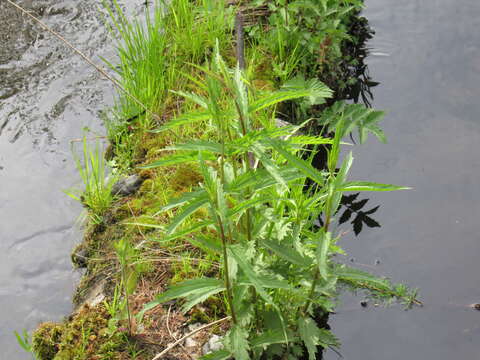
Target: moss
[(85, 336), (46, 340)]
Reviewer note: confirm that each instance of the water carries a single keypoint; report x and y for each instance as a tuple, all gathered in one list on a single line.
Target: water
[(47, 96), (426, 54)]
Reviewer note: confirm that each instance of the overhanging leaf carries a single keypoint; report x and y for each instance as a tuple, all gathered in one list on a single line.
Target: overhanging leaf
[(369, 186)]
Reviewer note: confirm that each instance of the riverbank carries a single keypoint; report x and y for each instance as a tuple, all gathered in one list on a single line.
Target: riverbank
[(137, 246)]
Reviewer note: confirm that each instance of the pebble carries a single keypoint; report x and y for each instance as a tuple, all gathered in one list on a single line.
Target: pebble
[(127, 186), (189, 342), (212, 345)]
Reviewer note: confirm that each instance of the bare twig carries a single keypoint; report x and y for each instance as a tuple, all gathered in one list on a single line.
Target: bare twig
[(85, 57), (159, 355)]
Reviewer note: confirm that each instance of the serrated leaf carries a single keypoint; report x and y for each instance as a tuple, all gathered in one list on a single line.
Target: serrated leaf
[(275, 98), (307, 169), (271, 337), (309, 333), (360, 278), (200, 297), (217, 355), (238, 341), (187, 210), (287, 253), (260, 179), (184, 198), (184, 119), (369, 186), (181, 233), (236, 252), (193, 289), (176, 159), (313, 336), (322, 253), (198, 145)]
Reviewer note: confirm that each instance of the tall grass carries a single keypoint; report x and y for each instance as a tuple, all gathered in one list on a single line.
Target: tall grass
[(97, 196), (153, 53)]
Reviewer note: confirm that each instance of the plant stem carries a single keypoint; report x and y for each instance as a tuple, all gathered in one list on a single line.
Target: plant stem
[(124, 276), (316, 276), (228, 285)]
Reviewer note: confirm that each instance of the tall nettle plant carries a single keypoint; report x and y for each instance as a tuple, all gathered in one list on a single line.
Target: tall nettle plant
[(277, 268)]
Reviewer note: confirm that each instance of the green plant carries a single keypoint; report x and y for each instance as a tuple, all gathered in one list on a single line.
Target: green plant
[(97, 196), (277, 269), (127, 254), (24, 340)]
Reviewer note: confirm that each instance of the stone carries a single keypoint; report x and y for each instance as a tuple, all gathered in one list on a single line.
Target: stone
[(193, 327), (212, 345), (189, 342), (127, 186)]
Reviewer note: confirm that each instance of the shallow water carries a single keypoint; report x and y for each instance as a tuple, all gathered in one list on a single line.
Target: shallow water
[(426, 54), (47, 96)]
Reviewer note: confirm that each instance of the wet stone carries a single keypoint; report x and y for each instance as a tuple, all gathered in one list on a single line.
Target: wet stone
[(127, 186), (80, 257), (476, 306)]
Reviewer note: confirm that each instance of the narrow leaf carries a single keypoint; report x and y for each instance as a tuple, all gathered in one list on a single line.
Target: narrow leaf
[(369, 186)]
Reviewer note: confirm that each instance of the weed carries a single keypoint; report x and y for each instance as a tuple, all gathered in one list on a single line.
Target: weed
[(97, 196)]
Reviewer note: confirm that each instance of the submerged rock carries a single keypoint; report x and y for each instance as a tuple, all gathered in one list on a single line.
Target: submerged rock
[(127, 186)]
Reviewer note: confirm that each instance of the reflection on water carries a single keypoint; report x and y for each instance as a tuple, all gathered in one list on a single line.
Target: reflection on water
[(426, 54)]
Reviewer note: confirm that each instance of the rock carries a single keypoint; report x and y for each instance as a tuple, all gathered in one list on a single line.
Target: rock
[(193, 327), (95, 295), (80, 257), (212, 345), (127, 186), (189, 342)]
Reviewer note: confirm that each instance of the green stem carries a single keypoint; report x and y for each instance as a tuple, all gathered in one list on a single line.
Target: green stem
[(124, 275), (316, 275), (228, 285)]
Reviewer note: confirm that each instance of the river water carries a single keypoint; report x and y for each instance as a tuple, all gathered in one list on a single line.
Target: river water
[(426, 54), (47, 96)]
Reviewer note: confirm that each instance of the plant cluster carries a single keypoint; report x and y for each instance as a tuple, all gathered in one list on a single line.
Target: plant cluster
[(277, 272), (250, 230)]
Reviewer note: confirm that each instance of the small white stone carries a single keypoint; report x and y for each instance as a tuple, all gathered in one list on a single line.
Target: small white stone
[(189, 342), (215, 343), (193, 327)]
